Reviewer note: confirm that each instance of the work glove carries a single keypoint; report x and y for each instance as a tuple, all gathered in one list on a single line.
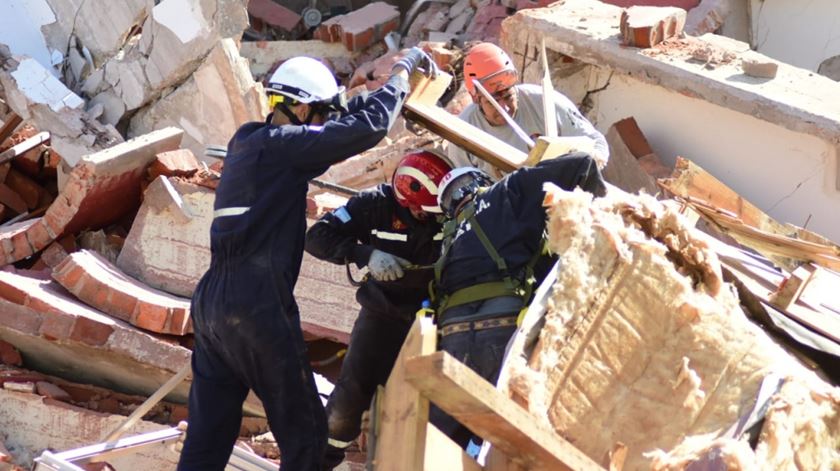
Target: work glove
[(386, 267), (416, 58)]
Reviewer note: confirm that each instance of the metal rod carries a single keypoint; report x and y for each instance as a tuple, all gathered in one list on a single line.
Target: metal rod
[(150, 402), (516, 129), (549, 114), (334, 187)]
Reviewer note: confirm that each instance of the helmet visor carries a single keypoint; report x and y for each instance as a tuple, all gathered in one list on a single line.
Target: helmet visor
[(456, 192)]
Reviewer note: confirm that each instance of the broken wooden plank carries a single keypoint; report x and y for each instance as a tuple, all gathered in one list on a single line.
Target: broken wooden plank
[(773, 245), (421, 106), (474, 402), (404, 413), (12, 122), (690, 182)]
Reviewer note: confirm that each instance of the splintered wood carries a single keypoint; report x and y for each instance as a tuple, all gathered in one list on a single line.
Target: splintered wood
[(644, 343)]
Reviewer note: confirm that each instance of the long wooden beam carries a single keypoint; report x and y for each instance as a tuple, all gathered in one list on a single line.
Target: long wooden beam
[(421, 106), (475, 403), (404, 413)]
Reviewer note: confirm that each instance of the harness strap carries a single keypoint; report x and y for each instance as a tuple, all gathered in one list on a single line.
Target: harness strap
[(477, 325), (478, 292)]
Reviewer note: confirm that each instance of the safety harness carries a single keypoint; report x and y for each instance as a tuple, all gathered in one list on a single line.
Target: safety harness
[(509, 285)]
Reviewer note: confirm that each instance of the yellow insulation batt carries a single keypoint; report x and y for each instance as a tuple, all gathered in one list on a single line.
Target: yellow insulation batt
[(646, 345)]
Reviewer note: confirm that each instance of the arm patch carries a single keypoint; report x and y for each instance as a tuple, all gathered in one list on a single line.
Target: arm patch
[(342, 214)]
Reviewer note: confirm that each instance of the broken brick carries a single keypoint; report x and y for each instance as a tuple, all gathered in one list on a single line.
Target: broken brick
[(175, 163), (47, 389), (24, 186), (112, 175), (102, 285), (274, 15), (486, 24), (12, 200), (645, 27), (360, 28), (9, 355)]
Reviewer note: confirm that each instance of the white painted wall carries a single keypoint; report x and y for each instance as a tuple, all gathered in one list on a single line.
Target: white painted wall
[(801, 33), (789, 175), (20, 29)]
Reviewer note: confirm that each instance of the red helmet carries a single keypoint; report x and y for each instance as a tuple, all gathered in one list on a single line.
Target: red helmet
[(490, 65), (416, 180)]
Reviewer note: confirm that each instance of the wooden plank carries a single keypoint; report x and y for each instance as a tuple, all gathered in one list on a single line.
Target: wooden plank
[(475, 403), (421, 106), (689, 181), (772, 244), (442, 453), (24, 146), (12, 122), (404, 412)]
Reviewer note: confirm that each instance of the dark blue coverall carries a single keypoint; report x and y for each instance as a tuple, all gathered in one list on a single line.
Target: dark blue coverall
[(512, 216), (246, 320), (373, 220)]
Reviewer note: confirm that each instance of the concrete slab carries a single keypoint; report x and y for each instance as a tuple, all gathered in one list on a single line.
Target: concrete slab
[(211, 104), (54, 425), (58, 335), (773, 141)]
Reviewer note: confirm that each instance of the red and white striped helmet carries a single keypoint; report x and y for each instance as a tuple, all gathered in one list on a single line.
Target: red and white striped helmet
[(416, 179)]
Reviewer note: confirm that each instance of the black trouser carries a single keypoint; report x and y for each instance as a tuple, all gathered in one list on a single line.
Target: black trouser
[(481, 350), (265, 353), (375, 342)]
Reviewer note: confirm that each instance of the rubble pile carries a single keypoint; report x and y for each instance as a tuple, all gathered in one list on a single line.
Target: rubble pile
[(644, 344)]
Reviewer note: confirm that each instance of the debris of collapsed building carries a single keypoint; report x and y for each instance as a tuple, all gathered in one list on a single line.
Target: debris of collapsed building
[(106, 184)]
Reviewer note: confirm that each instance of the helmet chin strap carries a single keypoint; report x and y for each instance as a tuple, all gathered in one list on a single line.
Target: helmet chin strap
[(293, 117)]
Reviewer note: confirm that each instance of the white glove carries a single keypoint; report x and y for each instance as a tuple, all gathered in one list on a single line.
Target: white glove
[(386, 267)]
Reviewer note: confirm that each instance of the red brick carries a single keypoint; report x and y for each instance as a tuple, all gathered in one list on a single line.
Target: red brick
[(103, 286), (57, 326), (38, 236), (151, 317), (24, 186), (12, 200), (17, 317), (21, 248), (175, 163), (643, 26), (274, 14), (361, 28), (53, 255), (120, 305), (90, 331), (9, 355)]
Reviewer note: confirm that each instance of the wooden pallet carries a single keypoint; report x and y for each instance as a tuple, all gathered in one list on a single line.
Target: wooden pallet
[(403, 439)]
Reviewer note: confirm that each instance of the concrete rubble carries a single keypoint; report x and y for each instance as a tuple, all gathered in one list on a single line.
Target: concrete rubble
[(105, 206)]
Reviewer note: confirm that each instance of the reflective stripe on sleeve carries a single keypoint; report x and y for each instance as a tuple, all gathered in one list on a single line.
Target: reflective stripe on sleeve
[(389, 235), (234, 211)]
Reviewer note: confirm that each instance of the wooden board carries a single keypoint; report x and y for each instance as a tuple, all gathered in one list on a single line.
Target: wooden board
[(404, 412), (421, 106), (475, 403)]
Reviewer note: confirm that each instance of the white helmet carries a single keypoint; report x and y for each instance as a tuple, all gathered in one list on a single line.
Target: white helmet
[(304, 79), (459, 185)]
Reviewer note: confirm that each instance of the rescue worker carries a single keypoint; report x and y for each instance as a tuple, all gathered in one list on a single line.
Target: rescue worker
[(492, 257), (395, 232), (490, 65), (246, 320)]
